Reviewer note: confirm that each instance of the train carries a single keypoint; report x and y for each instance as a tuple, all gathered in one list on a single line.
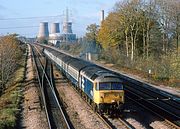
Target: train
[(102, 88)]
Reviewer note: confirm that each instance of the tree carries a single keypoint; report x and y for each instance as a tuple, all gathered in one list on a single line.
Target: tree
[(109, 35), (91, 35), (9, 54), (121, 27), (169, 13), (90, 42)]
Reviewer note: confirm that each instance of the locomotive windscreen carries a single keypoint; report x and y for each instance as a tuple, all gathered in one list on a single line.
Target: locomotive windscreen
[(109, 86)]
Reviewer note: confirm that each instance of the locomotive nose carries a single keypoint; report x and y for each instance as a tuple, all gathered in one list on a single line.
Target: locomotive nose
[(110, 97)]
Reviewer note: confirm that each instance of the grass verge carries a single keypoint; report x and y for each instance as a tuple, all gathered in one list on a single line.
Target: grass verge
[(11, 99)]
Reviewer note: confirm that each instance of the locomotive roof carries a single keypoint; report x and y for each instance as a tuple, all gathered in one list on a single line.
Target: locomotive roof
[(94, 72), (79, 64)]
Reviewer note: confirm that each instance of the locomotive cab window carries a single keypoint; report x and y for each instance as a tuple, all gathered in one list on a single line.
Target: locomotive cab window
[(109, 86), (116, 86)]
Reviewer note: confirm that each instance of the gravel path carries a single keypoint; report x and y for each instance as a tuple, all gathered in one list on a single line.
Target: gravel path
[(81, 115), (33, 116)]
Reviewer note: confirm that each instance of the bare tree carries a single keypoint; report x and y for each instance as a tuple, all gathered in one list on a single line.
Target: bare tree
[(9, 54)]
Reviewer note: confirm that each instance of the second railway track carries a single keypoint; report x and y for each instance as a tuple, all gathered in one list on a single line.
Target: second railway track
[(55, 114)]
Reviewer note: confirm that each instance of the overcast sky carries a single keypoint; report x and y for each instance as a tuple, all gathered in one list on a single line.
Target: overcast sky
[(82, 13)]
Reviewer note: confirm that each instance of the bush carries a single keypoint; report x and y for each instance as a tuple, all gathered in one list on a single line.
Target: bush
[(7, 118)]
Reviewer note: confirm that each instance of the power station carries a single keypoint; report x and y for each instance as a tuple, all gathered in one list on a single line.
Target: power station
[(55, 37)]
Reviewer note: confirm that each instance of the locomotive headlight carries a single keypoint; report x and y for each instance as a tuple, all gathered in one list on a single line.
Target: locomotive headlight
[(112, 101), (102, 95)]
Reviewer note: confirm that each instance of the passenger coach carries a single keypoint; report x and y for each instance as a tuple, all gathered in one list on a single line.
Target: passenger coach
[(102, 88)]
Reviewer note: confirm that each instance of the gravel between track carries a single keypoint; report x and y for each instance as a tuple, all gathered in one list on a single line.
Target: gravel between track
[(81, 115)]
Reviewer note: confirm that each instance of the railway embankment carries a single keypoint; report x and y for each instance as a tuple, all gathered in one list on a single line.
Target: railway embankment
[(12, 97)]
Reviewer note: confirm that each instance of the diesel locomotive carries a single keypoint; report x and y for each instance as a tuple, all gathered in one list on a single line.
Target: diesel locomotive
[(102, 88)]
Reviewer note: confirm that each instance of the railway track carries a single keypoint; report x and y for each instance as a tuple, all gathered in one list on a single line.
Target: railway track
[(55, 114), (161, 106), (115, 123), (165, 121)]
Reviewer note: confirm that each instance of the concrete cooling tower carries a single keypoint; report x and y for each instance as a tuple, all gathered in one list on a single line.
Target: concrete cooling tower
[(67, 27), (55, 28), (43, 30), (55, 32)]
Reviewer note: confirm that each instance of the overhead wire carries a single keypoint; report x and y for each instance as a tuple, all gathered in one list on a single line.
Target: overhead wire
[(22, 18), (19, 27), (25, 18)]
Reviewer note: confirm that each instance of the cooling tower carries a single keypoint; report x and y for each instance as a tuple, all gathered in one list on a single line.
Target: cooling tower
[(55, 28), (43, 30), (67, 27)]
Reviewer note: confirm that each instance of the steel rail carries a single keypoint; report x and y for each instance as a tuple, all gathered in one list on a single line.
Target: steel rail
[(153, 103), (153, 94), (54, 94), (41, 88), (145, 107), (125, 123)]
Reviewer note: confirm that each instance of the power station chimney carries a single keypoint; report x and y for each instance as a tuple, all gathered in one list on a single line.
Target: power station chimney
[(43, 30), (102, 15), (67, 15), (55, 28), (67, 26)]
